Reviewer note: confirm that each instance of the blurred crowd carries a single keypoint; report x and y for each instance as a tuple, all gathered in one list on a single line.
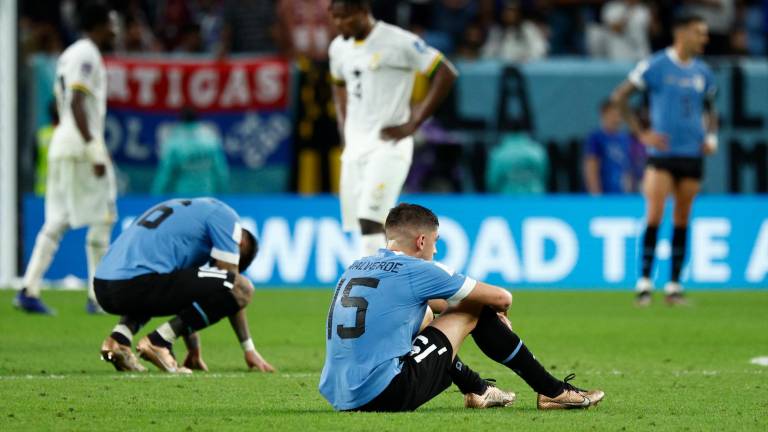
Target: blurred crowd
[(511, 30)]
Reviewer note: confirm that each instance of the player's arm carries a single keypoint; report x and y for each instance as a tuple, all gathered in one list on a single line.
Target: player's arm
[(592, 175), (339, 91), (712, 125), (496, 298), (81, 121), (620, 97), (194, 358), (441, 83), (253, 359)]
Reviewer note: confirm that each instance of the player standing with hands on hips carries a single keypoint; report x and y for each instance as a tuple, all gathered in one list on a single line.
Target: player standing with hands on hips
[(80, 188), (683, 130), (372, 65)]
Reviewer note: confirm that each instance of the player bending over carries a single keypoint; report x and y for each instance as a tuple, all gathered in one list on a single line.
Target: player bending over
[(377, 359), (183, 258)]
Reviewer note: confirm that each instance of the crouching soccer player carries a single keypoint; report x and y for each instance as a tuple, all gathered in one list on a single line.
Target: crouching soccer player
[(378, 360), (183, 258)]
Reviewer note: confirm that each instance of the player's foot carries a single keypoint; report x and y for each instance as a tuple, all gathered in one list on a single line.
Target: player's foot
[(93, 308), (493, 397), (121, 356), (674, 294), (572, 397), (159, 356), (643, 287), (30, 304)]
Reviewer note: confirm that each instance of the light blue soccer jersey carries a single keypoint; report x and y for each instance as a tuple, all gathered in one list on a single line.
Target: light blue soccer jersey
[(174, 235), (677, 94), (376, 311)]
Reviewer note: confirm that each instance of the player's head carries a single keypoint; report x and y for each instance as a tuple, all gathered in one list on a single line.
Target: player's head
[(100, 23), (610, 115), (249, 247), (691, 33), (412, 229), (352, 18)]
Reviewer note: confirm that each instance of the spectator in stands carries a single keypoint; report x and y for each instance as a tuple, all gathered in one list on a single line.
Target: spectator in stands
[(173, 17), (192, 160), (624, 32), (308, 27), (190, 39), (209, 17), (471, 45), (250, 26), (451, 17), (137, 36), (607, 162), (720, 16), (518, 165), (515, 39)]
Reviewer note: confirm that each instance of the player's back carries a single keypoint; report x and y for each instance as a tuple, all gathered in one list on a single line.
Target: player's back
[(173, 235)]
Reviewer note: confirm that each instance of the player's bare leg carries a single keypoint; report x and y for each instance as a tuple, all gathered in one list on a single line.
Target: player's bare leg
[(685, 192), (96, 245), (372, 236), (657, 186), (46, 245)]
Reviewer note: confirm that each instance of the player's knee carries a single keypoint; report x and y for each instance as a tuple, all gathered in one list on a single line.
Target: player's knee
[(53, 231), (98, 235), (243, 291)]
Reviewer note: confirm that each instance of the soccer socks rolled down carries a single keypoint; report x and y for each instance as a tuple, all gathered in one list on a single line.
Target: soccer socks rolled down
[(96, 245), (164, 336), (679, 240), (467, 380), (371, 243), (501, 344), (128, 326), (649, 249), (46, 245)]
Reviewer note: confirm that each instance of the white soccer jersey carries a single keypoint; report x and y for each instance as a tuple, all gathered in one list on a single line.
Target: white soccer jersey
[(79, 67), (378, 73)]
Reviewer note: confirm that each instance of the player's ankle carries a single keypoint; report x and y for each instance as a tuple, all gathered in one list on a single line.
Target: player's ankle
[(158, 340)]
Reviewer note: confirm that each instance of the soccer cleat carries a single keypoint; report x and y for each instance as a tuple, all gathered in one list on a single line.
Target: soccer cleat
[(571, 398), (161, 357), (643, 299), (493, 397), (30, 304), (674, 294), (93, 308), (121, 356)]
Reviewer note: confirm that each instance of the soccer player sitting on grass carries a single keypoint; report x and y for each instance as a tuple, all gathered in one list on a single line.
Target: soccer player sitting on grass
[(181, 257), (378, 359)]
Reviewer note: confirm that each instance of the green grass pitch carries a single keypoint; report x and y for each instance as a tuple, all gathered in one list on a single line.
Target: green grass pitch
[(661, 368)]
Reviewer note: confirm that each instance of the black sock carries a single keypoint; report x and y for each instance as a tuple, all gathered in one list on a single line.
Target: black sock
[(120, 338), (133, 323), (467, 380), (158, 340), (649, 249), (501, 344), (679, 240)]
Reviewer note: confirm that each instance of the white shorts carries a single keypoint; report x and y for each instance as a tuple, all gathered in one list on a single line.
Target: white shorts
[(370, 187), (76, 197)]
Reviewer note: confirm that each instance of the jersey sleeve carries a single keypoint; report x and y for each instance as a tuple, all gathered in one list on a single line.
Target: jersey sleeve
[(82, 74), (334, 56), (433, 280), (710, 86), (592, 146), (642, 75), (225, 232), (420, 56)]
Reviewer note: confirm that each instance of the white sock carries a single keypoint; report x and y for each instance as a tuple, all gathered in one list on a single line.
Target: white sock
[(166, 332), (123, 330), (96, 245), (46, 245), (371, 243)]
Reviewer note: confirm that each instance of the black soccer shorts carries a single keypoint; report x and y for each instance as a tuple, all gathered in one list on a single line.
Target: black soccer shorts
[(425, 374), (679, 167), (162, 294)]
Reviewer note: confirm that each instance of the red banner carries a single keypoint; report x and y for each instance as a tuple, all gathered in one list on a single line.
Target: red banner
[(210, 86)]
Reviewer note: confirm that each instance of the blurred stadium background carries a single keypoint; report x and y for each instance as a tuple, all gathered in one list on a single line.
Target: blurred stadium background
[(501, 162)]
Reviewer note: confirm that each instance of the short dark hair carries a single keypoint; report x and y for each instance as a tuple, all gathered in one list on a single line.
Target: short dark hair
[(685, 18), (364, 4), (606, 104), (411, 216), (93, 15), (249, 252)]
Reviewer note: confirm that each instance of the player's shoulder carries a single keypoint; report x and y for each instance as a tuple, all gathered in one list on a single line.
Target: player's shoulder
[(659, 58), (393, 34), (700, 64), (82, 48), (217, 206), (338, 46)]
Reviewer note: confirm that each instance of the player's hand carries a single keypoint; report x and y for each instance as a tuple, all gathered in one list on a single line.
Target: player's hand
[(255, 361), (505, 319), (654, 139), (195, 361), (396, 133), (99, 170)]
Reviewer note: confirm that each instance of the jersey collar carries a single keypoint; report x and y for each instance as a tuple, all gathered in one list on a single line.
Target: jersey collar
[(672, 54)]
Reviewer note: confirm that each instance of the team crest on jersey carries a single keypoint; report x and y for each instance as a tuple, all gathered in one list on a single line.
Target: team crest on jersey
[(86, 69), (375, 61), (420, 46), (698, 83)]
